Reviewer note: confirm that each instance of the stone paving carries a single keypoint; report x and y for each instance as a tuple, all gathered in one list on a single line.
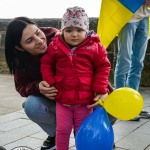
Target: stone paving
[(17, 130)]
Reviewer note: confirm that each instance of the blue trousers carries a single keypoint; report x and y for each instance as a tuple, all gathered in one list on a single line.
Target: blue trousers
[(42, 111), (132, 45)]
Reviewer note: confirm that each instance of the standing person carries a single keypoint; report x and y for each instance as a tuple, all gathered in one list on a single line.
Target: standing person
[(132, 45), (77, 65), (25, 43)]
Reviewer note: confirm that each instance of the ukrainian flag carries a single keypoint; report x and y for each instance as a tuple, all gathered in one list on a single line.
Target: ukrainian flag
[(114, 14)]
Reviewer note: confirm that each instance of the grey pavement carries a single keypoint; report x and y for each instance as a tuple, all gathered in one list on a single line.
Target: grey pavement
[(17, 130)]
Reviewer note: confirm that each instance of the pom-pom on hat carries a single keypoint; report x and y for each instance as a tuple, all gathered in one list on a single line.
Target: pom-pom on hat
[(75, 17)]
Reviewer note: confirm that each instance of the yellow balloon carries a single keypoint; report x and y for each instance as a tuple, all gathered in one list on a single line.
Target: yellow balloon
[(124, 103)]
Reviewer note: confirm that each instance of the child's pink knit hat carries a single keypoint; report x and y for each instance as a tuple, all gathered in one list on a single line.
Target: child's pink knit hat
[(75, 17)]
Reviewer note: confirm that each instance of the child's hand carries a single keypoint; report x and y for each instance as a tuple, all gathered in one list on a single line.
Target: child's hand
[(97, 98), (101, 96)]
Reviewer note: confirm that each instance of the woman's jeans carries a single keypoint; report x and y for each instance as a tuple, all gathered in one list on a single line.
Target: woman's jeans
[(43, 112), (132, 45)]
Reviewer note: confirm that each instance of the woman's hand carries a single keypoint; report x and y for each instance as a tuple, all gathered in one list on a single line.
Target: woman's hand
[(97, 98), (46, 90)]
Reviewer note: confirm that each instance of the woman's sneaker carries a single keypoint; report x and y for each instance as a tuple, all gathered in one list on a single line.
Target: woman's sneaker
[(49, 144), (2, 148)]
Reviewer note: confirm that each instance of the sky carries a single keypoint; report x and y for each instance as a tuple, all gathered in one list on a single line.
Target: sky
[(45, 8)]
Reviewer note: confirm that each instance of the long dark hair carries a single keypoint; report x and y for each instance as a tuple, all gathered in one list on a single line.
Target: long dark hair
[(13, 38)]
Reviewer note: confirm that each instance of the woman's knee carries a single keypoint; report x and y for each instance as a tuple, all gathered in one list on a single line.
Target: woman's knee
[(40, 109), (31, 106), (31, 102)]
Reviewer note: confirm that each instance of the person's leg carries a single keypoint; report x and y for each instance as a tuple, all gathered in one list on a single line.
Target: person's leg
[(139, 50), (125, 39), (64, 118), (80, 113), (42, 111), (115, 48)]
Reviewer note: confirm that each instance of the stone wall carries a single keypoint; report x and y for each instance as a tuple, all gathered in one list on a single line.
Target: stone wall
[(55, 22)]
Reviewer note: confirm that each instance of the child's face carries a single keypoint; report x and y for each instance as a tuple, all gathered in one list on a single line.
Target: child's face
[(74, 36)]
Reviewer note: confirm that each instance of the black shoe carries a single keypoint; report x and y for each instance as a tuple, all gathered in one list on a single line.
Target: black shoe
[(136, 119), (49, 144), (114, 146), (144, 114), (2, 148)]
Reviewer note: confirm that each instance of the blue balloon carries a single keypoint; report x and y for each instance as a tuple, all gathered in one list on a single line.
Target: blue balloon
[(95, 132)]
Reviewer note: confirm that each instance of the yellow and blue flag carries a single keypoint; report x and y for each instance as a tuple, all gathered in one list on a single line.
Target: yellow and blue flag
[(114, 14)]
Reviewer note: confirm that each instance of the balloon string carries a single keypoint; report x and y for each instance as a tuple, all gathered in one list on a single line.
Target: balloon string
[(100, 102)]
